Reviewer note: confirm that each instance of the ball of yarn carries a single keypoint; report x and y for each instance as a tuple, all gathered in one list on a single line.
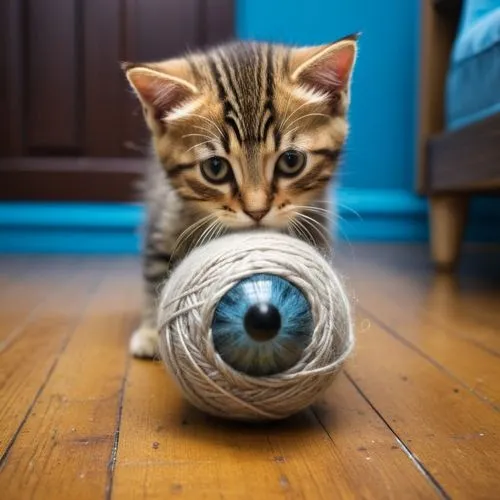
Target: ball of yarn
[(201, 300)]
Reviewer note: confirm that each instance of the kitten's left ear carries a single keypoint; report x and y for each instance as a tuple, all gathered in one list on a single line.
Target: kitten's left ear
[(326, 68), (162, 88)]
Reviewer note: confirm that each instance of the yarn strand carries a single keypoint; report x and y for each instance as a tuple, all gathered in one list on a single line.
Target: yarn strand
[(187, 306)]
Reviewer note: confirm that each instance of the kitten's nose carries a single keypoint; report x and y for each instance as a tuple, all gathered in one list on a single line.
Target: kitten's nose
[(257, 215)]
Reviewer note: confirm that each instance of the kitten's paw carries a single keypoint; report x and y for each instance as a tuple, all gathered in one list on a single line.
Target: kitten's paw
[(144, 343)]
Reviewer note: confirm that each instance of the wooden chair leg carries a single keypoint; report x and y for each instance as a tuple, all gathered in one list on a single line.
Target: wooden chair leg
[(447, 218)]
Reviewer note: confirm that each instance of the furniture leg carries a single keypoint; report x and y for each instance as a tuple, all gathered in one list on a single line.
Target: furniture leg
[(447, 219)]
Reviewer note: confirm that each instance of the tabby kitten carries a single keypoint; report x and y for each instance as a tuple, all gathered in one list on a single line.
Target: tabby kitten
[(246, 136)]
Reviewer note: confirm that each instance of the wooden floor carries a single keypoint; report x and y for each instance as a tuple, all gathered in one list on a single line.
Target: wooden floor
[(414, 415)]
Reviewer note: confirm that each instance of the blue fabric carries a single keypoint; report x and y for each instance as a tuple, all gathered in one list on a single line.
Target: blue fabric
[(473, 10), (473, 83)]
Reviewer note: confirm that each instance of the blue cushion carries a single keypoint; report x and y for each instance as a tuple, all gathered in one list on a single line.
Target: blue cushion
[(473, 84), (473, 10)]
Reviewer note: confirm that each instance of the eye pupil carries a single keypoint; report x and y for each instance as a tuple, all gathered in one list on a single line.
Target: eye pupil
[(292, 158), (216, 165)]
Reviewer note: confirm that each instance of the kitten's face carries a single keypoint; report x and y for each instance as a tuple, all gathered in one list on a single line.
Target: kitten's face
[(249, 135)]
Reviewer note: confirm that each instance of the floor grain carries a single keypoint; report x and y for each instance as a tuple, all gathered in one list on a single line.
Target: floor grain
[(413, 415)]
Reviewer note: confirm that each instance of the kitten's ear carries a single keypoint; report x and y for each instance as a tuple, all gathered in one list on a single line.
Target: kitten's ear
[(326, 68), (162, 88)]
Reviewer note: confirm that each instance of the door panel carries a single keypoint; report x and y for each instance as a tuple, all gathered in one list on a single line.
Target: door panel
[(69, 123), (52, 84), (104, 91), (11, 78)]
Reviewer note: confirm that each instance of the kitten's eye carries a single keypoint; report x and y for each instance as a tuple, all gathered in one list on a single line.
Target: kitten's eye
[(216, 170), (291, 163)]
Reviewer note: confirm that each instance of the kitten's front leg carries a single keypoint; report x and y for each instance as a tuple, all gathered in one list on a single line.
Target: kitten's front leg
[(156, 269)]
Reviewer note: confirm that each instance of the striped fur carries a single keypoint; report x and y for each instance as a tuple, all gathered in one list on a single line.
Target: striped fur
[(261, 111)]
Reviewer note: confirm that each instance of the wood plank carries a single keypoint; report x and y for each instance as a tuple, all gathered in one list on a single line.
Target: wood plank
[(354, 426), (398, 424), (489, 321), (13, 269), (468, 313), (13, 265), (23, 292), (28, 357), (450, 432), (167, 448), (64, 447), (395, 305), (53, 76)]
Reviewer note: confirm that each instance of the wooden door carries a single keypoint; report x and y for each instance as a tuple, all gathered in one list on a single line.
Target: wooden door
[(70, 128)]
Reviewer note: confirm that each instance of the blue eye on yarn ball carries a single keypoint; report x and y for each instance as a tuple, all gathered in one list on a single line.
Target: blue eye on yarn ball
[(262, 325)]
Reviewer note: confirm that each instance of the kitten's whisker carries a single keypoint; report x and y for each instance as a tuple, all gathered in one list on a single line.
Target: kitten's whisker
[(327, 214), (345, 207), (322, 201), (314, 224), (309, 236), (312, 208), (304, 117), (291, 231), (312, 221), (209, 121), (205, 233), (300, 232), (342, 232), (293, 112), (221, 231), (207, 130), (202, 238), (190, 230), (195, 243), (198, 135), (290, 132), (198, 145), (185, 239), (211, 234), (286, 111)]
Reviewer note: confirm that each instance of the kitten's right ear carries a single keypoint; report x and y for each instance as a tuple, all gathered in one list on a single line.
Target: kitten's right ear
[(162, 88), (325, 68)]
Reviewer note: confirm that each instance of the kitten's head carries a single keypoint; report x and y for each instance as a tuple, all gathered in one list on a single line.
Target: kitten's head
[(250, 133)]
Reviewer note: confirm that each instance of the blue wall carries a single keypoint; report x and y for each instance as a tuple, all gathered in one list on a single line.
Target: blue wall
[(381, 145)]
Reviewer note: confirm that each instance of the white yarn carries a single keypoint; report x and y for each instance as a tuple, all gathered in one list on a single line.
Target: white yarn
[(185, 315)]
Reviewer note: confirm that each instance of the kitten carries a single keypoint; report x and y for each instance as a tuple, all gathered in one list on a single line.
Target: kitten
[(246, 136)]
